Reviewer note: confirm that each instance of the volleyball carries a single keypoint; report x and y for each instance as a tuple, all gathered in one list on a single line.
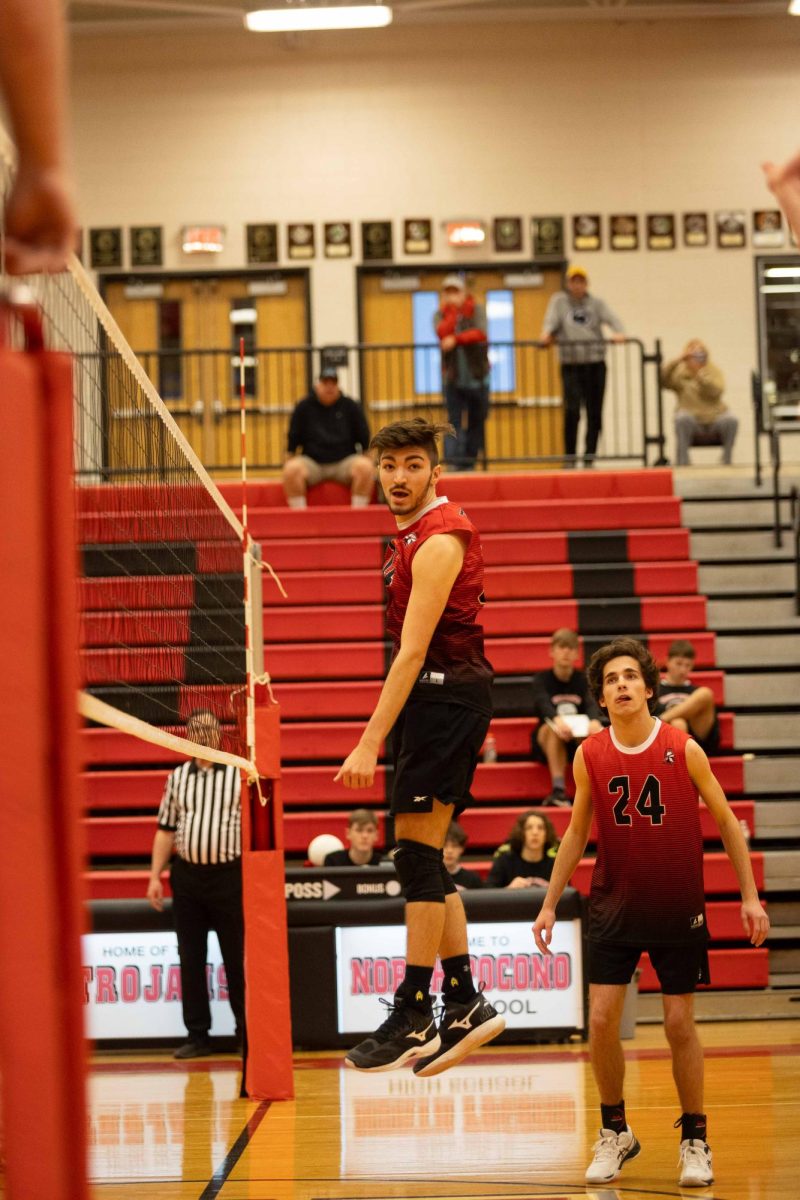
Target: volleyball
[(323, 845)]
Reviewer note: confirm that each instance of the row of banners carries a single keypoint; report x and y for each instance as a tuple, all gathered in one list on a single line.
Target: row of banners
[(548, 237)]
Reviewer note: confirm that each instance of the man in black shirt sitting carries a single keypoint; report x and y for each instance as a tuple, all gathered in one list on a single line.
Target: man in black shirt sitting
[(685, 705), (362, 834), (328, 435), (566, 710)]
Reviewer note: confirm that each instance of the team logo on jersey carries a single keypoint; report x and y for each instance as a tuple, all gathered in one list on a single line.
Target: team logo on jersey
[(410, 538), (697, 922), (388, 568), (669, 756)]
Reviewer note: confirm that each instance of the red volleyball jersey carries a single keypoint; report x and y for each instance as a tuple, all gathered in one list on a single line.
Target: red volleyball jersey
[(455, 669), (647, 886)]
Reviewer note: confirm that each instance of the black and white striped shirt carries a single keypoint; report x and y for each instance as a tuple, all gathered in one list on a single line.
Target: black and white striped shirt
[(202, 807)]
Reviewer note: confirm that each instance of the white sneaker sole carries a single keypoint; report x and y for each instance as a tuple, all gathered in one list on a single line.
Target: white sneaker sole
[(695, 1183), (409, 1055), (477, 1037)]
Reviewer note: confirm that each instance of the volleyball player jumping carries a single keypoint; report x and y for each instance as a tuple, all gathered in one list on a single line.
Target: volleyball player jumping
[(640, 780), (436, 701)]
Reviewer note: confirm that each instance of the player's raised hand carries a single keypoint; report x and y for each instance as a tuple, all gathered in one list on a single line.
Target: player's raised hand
[(755, 921), (543, 929), (40, 224), (358, 769)]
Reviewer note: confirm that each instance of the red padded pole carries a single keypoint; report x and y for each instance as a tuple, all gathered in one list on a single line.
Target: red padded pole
[(41, 1019)]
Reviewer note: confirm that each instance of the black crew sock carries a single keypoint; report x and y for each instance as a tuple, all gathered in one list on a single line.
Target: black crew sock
[(612, 1116), (416, 987), (693, 1127), (458, 984)]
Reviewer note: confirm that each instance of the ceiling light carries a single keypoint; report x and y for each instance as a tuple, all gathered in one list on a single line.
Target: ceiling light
[(794, 8), (314, 16)]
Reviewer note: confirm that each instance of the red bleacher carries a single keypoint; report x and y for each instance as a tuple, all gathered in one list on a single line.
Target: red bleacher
[(625, 570)]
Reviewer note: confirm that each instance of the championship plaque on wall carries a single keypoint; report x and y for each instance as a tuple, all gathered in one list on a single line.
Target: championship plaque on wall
[(547, 237), (146, 246), (624, 231), (300, 239), (695, 229), (660, 231), (105, 248), (586, 232), (376, 240), (338, 239), (731, 233), (262, 243), (417, 235), (768, 227), (507, 234)]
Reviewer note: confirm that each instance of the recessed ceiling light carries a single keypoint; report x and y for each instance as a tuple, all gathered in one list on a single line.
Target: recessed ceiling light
[(318, 16)]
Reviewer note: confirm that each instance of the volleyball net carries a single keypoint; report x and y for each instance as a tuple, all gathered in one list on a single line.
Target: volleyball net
[(166, 580)]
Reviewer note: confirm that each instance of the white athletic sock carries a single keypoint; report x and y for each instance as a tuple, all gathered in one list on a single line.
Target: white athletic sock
[(297, 502)]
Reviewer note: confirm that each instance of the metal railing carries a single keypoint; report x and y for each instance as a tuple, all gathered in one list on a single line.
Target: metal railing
[(525, 425)]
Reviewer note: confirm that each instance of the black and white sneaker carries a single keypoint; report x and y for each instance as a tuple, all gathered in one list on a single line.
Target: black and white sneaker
[(407, 1033), (463, 1027)]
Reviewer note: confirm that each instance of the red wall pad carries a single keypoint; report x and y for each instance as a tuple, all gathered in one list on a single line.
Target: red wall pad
[(268, 1068), (41, 1021)]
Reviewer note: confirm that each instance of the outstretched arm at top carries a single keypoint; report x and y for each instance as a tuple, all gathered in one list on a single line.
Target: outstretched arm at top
[(433, 571), (40, 226), (754, 919), (784, 183), (569, 854)]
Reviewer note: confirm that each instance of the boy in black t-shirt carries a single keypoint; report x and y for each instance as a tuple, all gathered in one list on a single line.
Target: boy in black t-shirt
[(684, 705), (362, 834), (454, 844), (560, 695)]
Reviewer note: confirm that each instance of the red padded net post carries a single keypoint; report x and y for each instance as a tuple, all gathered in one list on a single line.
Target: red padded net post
[(41, 1020), (269, 1025)]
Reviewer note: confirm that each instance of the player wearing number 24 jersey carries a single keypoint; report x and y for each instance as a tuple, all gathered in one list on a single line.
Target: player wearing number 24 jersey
[(640, 781)]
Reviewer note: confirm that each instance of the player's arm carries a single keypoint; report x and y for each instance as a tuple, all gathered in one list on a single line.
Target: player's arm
[(569, 854), (161, 854), (754, 918), (40, 226), (433, 572), (784, 183)]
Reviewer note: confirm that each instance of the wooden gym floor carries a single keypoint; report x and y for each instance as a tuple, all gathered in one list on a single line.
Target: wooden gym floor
[(513, 1122)]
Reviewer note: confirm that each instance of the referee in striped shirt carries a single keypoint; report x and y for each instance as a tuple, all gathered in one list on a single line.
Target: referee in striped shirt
[(200, 819)]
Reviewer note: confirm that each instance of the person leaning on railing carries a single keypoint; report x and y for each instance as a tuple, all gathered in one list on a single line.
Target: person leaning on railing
[(698, 383), (575, 321)]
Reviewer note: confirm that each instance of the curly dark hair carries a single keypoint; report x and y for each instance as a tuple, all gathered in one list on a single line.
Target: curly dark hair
[(627, 647), (415, 432), (516, 839)]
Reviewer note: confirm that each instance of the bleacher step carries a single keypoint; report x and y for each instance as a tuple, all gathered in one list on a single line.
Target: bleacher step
[(744, 578), (777, 819), (737, 546), (764, 612), (779, 1003), (734, 512), (771, 775), (768, 731), (782, 870), (754, 649), (770, 690)]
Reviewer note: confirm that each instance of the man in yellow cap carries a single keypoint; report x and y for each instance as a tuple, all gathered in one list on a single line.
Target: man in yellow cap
[(574, 321)]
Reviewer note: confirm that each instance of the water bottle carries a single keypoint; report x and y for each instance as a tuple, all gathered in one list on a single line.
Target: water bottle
[(745, 828), (490, 749)]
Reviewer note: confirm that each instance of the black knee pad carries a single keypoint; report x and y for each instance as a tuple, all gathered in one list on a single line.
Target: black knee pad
[(449, 886), (419, 869)]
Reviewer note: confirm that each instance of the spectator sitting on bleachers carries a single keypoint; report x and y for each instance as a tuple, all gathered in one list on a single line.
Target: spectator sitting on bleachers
[(526, 860), (327, 440), (682, 704), (362, 834), (454, 844), (566, 710), (698, 383)]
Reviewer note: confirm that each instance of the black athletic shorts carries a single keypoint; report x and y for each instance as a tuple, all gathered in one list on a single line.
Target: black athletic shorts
[(680, 968), (435, 746), (710, 743), (538, 754)]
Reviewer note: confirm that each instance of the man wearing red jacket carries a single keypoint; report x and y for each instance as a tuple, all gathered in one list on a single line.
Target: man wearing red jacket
[(460, 325)]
